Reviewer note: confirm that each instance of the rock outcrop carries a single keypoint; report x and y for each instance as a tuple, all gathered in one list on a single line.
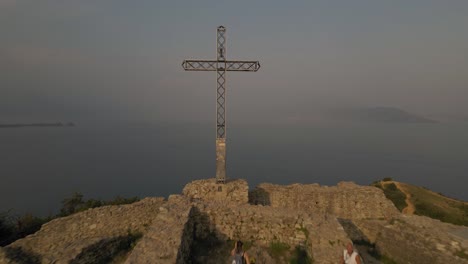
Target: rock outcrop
[(200, 226)]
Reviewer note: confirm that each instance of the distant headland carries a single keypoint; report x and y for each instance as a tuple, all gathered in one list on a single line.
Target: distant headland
[(17, 125), (380, 114)]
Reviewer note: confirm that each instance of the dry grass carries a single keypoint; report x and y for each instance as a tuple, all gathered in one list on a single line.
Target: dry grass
[(437, 206), (426, 202)]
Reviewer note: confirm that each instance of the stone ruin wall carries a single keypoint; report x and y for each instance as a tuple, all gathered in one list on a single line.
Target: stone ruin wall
[(251, 223), (263, 225), (63, 239), (226, 214), (297, 215), (234, 191), (169, 238), (235, 217), (346, 200), (180, 221)]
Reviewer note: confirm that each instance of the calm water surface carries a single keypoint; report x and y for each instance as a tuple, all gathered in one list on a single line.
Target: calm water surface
[(41, 166)]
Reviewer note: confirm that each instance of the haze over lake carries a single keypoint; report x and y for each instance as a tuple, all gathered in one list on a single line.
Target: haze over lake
[(41, 166)]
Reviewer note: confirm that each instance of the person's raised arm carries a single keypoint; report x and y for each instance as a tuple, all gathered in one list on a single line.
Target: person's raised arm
[(247, 260), (233, 251)]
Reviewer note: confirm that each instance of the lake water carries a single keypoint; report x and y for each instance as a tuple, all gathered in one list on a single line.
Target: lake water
[(41, 166)]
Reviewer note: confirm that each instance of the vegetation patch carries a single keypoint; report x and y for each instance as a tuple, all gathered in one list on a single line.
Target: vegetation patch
[(461, 254), (16, 227), (13, 227), (300, 256), (439, 207), (386, 260), (394, 194), (437, 212), (426, 202), (76, 203), (278, 249), (21, 256)]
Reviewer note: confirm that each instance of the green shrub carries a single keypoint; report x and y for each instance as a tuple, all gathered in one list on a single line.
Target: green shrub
[(121, 200), (386, 260), (6, 230), (398, 198), (386, 179), (72, 204), (16, 227), (22, 256), (76, 203), (278, 249), (13, 227), (28, 224), (461, 254)]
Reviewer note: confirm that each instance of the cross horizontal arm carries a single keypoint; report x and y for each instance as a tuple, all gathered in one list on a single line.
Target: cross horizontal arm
[(210, 65)]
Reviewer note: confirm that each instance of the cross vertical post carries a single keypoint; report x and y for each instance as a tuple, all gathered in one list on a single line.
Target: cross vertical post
[(220, 65), (221, 105)]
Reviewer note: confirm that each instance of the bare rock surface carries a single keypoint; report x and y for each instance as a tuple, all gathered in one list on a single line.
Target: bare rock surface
[(415, 239)]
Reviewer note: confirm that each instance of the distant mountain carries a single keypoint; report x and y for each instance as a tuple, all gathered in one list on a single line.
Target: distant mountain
[(379, 115)]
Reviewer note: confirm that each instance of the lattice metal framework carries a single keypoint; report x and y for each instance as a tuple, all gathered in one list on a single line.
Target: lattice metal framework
[(221, 65)]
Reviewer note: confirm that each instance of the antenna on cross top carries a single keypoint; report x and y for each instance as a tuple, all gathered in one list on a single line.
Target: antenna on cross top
[(221, 65)]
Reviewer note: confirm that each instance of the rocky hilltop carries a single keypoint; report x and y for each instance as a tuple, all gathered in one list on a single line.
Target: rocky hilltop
[(279, 224)]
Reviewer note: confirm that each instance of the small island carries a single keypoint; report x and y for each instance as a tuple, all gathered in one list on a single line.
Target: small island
[(18, 125)]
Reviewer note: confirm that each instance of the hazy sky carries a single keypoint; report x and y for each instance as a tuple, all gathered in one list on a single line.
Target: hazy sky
[(100, 60)]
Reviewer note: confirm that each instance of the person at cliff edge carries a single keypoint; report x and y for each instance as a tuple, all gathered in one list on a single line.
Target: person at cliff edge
[(350, 256)]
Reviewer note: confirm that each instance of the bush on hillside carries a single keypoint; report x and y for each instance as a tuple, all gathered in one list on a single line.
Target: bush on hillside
[(433, 211), (72, 204), (398, 198), (76, 203), (6, 230), (16, 227), (28, 224)]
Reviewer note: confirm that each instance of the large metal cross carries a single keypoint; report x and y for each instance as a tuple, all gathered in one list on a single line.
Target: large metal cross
[(220, 65)]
